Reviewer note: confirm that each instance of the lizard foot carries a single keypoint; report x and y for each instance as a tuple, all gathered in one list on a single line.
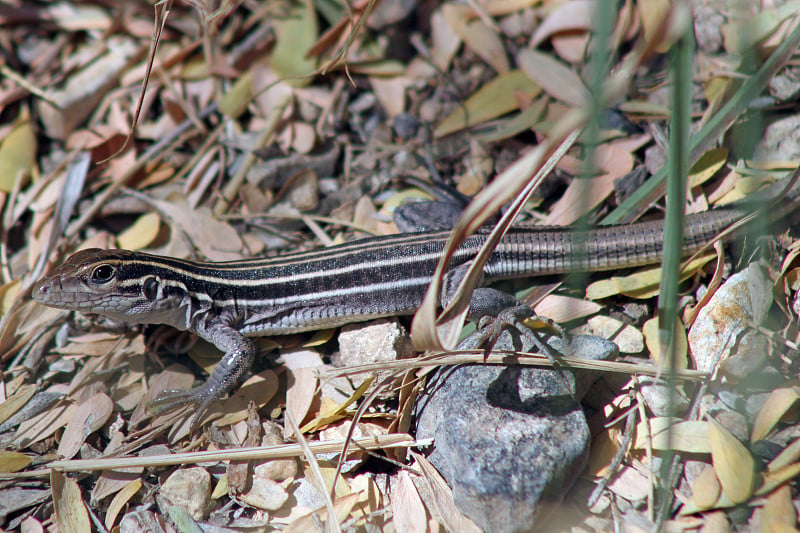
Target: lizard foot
[(169, 400), (514, 318)]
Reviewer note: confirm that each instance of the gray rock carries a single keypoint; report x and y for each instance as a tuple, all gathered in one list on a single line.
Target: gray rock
[(509, 440)]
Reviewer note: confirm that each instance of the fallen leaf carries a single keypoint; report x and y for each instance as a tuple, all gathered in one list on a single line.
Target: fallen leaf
[(70, 511), (120, 500), (566, 17), (652, 338), (18, 153), (90, 416), (494, 99), (555, 78), (481, 39), (732, 462), (708, 165), (295, 33), (706, 489), (13, 461), (672, 434), (300, 395), (777, 404), (142, 233)]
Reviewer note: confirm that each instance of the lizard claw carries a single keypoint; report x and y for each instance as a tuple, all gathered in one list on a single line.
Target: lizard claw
[(490, 329), (169, 400)]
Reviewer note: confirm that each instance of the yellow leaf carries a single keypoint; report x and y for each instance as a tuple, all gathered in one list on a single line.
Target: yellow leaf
[(336, 412), (641, 107), (706, 489), (143, 232), (120, 500), (381, 68), (235, 101), (13, 461), (642, 284), (775, 478), (778, 402), (652, 339), (653, 13), (671, 434), (8, 293), (708, 165), (295, 33), (15, 402), (17, 153), (495, 98), (733, 463)]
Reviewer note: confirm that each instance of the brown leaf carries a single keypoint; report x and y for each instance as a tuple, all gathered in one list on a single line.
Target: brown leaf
[(89, 416)]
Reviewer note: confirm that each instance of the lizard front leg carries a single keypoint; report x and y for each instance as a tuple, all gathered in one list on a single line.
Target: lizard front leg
[(229, 372)]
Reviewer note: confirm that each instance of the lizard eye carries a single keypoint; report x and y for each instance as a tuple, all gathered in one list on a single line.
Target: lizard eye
[(103, 273), (150, 288)]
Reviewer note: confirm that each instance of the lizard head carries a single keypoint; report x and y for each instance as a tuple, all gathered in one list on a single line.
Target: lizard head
[(119, 284)]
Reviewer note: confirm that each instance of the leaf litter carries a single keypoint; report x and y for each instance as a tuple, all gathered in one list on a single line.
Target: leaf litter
[(233, 93)]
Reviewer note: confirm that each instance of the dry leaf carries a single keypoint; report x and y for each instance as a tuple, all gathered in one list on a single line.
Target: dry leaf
[(120, 500), (706, 489), (577, 15), (789, 455), (777, 404), (482, 39), (497, 97), (778, 513), (558, 80), (653, 14), (18, 153), (732, 462), (13, 461), (391, 93), (141, 234), (672, 434), (89, 416), (445, 41), (641, 284), (295, 33), (604, 447), (301, 394), (45, 424), (581, 196), (71, 514), (653, 339), (565, 308), (258, 389), (85, 89), (409, 512), (775, 478), (708, 165), (216, 240), (442, 500)]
